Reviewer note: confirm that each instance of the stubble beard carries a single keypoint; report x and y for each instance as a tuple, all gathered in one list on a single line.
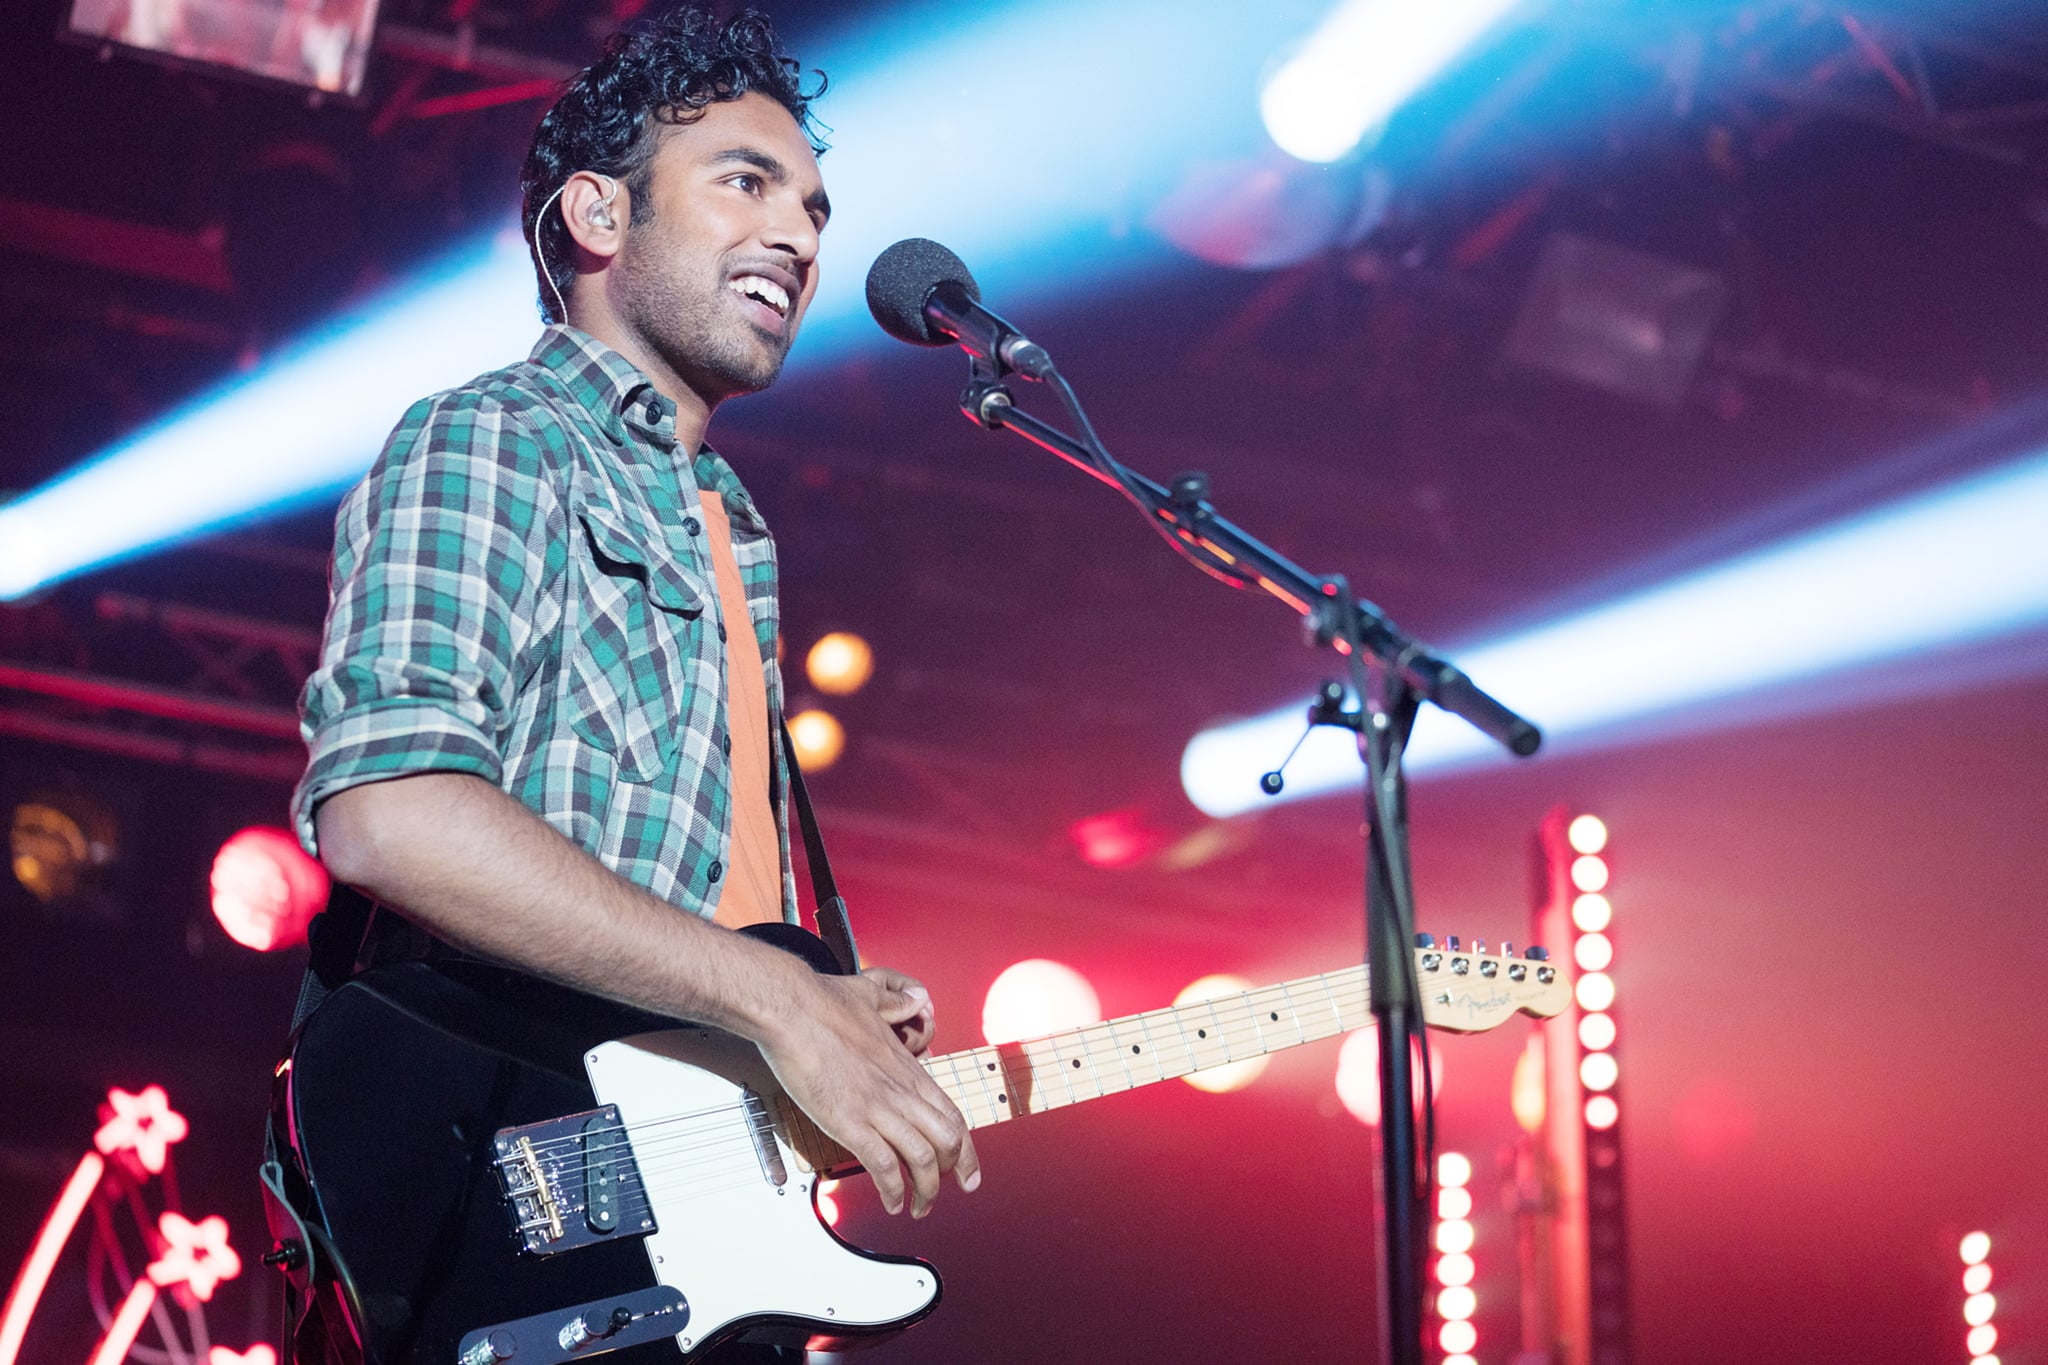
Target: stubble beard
[(688, 323)]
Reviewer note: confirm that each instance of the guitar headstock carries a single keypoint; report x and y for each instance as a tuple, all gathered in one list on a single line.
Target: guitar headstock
[(1471, 990)]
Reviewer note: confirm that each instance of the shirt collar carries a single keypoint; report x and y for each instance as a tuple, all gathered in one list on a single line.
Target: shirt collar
[(609, 385)]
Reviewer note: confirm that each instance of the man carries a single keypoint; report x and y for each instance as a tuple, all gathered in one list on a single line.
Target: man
[(542, 725)]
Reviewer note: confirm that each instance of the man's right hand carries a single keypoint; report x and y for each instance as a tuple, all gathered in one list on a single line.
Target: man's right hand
[(837, 1054)]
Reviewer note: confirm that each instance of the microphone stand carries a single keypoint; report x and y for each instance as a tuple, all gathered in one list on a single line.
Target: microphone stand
[(1394, 674)]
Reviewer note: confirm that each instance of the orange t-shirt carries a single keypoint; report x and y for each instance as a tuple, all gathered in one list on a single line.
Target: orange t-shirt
[(753, 875)]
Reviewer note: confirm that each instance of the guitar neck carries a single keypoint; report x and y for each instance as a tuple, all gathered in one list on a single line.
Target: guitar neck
[(995, 1084)]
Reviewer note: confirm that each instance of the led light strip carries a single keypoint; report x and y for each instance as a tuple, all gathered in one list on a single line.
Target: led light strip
[(1455, 1270)]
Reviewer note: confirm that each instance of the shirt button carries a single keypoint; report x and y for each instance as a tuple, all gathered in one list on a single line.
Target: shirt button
[(692, 526), (721, 632), (725, 743), (715, 871), (655, 412)]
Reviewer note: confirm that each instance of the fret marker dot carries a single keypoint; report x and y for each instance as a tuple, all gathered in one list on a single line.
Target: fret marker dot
[(1136, 1048), (1274, 1017), (991, 1066), (1201, 1033), (1077, 1063), (1002, 1099)]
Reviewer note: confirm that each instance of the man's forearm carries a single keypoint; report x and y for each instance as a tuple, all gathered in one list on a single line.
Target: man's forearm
[(485, 873)]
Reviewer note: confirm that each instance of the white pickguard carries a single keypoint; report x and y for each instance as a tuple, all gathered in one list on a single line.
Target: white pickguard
[(733, 1242)]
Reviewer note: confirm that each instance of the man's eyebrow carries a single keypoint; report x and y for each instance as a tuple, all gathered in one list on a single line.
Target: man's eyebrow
[(816, 202)]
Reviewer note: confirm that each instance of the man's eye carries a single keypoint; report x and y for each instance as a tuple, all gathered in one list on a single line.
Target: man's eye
[(749, 183)]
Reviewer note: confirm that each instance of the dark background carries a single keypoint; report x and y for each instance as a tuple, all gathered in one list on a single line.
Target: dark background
[(1827, 913)]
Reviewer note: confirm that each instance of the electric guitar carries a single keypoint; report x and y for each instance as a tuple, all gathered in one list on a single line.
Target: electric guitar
[(487, 1168)]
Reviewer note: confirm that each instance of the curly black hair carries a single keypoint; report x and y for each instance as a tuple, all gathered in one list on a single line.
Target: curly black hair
[(668, 71)]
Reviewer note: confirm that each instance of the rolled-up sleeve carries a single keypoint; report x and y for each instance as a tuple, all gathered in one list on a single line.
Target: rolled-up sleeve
[(439, 556)]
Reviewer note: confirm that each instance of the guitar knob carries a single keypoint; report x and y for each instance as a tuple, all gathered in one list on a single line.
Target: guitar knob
[(1536, 954)]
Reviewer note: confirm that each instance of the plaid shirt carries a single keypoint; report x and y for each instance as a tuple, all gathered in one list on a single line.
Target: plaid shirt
[(522, 590)]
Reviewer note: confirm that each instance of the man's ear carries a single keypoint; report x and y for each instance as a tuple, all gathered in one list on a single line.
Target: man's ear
[(596, 209)]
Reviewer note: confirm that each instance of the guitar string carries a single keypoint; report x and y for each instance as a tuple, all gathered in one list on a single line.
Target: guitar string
[(955, 1067), (665, 1144), (977, 1062)]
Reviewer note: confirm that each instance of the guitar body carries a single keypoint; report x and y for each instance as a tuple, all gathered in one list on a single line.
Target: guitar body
[(501, 1165)]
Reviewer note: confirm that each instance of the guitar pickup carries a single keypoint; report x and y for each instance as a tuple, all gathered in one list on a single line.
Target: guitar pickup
[(571, 1181)]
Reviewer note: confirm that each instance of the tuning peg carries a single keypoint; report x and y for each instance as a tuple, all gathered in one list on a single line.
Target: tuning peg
[(1507, 949), (1425, 940), (1479, 945), (1451, 943), (1536, 954)]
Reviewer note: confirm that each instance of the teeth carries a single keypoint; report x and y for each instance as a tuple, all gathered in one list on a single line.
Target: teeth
[(768, 291)]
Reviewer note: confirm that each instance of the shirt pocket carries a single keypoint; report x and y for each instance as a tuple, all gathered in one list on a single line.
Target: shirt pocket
[(631, 664)]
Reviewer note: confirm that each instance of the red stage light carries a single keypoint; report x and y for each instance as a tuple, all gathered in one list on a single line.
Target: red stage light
[(1602, 1112), (1596, 1032), (1037, 998), (1457, 1337), (1978, 1308), (1115, 838), (266, 890), (1456, 1303), (1976, 1279), (1982, 1339), (1455, 1269), (1594, 952), (1589, 873), (1454, 1202), (1976, 1247)]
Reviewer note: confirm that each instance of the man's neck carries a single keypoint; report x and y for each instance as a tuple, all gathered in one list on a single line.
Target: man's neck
[(693, 412)]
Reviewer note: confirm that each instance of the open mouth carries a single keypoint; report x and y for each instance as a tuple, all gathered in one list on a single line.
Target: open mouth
[(765, 295)]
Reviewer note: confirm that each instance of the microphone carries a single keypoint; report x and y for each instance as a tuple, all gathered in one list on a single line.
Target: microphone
[(923, 294)]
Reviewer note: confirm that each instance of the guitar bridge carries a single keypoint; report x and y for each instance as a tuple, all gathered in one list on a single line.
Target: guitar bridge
[(571, 1181)]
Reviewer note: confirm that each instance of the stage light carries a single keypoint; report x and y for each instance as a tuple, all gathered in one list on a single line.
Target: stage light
[(1035, 999), (1599, 1071), (1959, 565), (1457, 1337), (1591, 912), (1586, 834), (840, 664), (1231, 1075), (1589, 872), (1454, 1269), (1454, 1202), (1978, 1308), (1976, 1247), (1602, 1113), (1363, 61), (818, 738), (1595, 991), (1981, 1340), (1977, 1279), (258, 1354), (1456, 1303), (1454, 1235), (1115, 838), (59, 842), (1596, 1032), (1593, 952), (1460, 1359), (1453, 1170), (266, 890), (1044, 217)]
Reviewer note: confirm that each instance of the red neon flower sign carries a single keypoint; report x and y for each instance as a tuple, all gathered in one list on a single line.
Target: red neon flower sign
[(144, 1124), (196, 1255)]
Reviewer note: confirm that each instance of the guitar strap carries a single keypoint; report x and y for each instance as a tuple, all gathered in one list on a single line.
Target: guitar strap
[(833, 925)]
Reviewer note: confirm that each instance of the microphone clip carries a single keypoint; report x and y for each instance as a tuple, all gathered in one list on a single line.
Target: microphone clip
[(986, 398), (1327, 708)]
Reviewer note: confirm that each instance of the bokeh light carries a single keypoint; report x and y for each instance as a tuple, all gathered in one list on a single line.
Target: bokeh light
[(1596, 1032), (1230, 1076), (1036, 998), (1593, 952), (1599, 1071), (1602, 1112), (1595, 991), (1977, 1279), (266, 889), (819, 739), (1976, 1247), (1454, 1202), (1457, 1337), (840, 664), (1454, 1235), (1589, 873), (1455, 1303), (1456, 1268), (1592, 913), (1586, 834)]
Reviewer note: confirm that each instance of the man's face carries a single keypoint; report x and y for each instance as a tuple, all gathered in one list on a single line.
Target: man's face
[(717, 280)]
